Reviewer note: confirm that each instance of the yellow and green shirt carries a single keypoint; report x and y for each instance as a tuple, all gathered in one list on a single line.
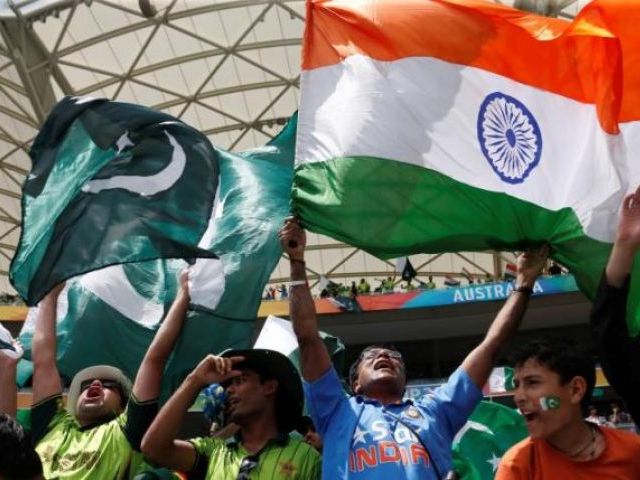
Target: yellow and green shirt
[(283, 458), (109, 450)]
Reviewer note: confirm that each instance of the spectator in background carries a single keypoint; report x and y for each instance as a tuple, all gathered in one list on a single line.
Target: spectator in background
[(555, 269), (430, 285), (388, 285), (619, 352), (554, 379), (409, 286), (284, 293), (594, 417), (96, 436), (307, 429), (353, 292), (363, 287), (618, 416)]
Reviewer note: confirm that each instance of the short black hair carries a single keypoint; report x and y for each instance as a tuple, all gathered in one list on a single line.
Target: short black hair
[(565, 357), (19, 459), (353, 369)]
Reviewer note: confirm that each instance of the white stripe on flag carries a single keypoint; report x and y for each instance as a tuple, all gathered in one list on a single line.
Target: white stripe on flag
[(423, 111)]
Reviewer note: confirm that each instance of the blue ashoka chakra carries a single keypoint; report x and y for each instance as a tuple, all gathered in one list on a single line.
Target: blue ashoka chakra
[(509, 137)]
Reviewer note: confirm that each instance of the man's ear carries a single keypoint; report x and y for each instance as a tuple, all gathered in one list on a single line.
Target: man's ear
[(578, 389), (270, 386), (356, 388)]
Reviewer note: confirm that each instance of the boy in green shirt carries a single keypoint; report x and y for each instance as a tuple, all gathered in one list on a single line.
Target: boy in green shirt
[(98, 435), (264, 398)]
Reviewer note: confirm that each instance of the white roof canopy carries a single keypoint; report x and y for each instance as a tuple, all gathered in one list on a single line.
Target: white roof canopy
[(228, 68)]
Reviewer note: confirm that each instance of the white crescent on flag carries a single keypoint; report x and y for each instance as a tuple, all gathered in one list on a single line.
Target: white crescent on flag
[(145, 186)]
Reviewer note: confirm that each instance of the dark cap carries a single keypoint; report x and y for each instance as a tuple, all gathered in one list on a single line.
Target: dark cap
[(272, 364)]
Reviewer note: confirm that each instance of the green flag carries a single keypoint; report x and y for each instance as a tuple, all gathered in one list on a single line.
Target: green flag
[(480, 444), (110, 315), (111, 183)]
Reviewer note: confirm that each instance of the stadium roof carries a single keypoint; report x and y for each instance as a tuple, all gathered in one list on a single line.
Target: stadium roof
[(229, 68)]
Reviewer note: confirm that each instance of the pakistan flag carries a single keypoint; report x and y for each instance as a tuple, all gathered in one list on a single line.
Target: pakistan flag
[(480, 444), (111, 315), (111, 183)]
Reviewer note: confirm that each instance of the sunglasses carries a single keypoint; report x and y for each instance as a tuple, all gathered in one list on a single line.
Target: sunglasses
[(246, 466), (371, 354), (110, 384)]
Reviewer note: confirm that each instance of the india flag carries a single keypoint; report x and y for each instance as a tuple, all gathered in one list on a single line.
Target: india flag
[(433, 126)]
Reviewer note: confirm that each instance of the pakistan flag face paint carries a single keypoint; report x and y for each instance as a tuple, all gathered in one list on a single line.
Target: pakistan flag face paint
[(549, 403)]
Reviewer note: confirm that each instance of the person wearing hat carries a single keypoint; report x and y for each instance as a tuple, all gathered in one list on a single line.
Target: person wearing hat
[(264, 398), (98, 435), (377, 433)]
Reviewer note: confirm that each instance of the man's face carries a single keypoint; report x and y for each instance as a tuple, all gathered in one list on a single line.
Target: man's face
[(380, 366), (248, 396), (535, 381), (98, 399)]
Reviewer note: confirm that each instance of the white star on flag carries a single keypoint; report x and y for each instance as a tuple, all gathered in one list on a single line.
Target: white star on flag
[(494, 461)]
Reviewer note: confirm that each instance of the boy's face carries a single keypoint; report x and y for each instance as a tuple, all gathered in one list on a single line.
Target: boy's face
[(545, 403)]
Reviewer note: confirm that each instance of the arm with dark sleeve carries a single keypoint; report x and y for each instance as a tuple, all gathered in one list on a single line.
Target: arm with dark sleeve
[(620, 354), (143, 404)]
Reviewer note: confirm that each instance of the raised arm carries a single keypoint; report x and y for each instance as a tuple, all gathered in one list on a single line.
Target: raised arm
[(481, 360), (8, 389), (46, 378), (619, 353), (159, 443), (627, 241), (149, 378), (314, 355)]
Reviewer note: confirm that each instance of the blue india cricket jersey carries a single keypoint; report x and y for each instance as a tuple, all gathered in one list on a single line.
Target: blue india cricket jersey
[(365, 440)]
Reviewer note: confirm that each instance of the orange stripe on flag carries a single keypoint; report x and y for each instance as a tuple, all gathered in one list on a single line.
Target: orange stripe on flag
[(622, 18), (579, 60)]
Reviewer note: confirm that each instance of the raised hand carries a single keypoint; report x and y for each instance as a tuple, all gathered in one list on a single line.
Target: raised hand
[(214, 369), (530, 264), (629, 227), (183, 283), (293, 238)]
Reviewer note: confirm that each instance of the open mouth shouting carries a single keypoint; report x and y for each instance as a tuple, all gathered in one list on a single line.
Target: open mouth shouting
[(530, 416), (383, 363), (94, 393)]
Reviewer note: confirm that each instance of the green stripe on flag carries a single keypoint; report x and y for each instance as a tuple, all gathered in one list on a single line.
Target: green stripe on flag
[(393, 209)]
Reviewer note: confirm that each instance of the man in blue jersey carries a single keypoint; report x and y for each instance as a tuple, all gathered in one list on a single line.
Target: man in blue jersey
[(376, 434)]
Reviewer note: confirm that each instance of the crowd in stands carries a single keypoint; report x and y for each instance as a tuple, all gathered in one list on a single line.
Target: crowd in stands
[(112, 428), (391, 285), (613, 416)]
